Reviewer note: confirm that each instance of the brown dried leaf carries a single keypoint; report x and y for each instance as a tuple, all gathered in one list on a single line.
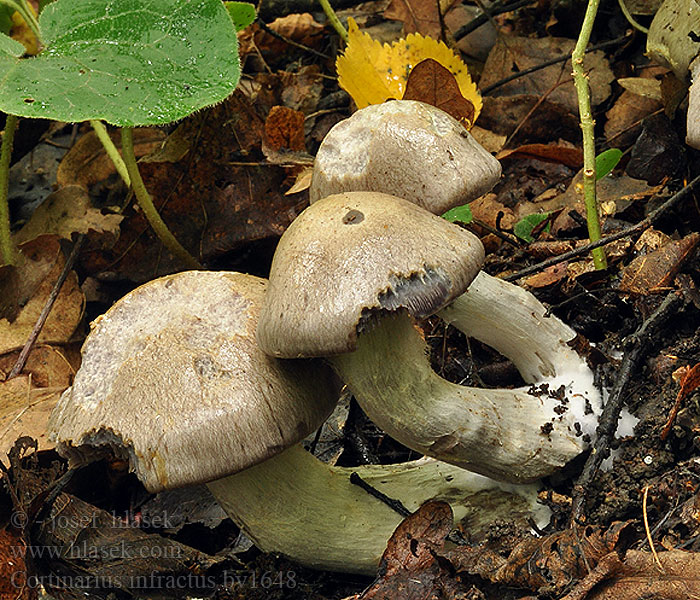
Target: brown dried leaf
[(638, 576), (65, 212), (536, 120), (87, 163), (418, 16), (41, 263), (653, 272), (284, 129), (409, 567), (25, 410), (549, 563), (432, 83), (556, 153), (514, 54), (13, 568), (549, 276)]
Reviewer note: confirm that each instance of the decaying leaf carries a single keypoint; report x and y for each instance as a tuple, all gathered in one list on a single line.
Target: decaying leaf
[(654, 272), (40, 266), (409, 567), (25, 410), (418, 16), (432, 83), (548, 564), (13, 567), (690, 381), (283, 139), (373, 73), (638, 576), (513, 54), (65, 212), (558, 153), (87, 163)]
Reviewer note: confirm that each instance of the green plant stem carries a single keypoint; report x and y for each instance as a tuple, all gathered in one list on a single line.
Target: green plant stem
[(630, 19), (146, 203), (7, 248), (26, 13), (111, 150), (587, 128), (333, 19)]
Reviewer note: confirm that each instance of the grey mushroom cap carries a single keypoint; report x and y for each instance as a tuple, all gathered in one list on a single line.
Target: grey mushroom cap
[(408, 149), (173, 380), (350, 256)]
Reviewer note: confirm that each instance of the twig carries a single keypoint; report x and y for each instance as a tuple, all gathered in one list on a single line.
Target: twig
[(33, 336), (395, 505), (648, 221), (483, 18), (637, 345), (645, 518)]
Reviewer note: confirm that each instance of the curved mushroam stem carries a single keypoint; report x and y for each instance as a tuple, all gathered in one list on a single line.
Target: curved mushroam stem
[(146, 203), (510, 435), (511, 320), (297, 505)]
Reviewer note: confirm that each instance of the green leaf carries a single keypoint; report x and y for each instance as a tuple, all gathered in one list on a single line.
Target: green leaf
[(523, 228), (606, 162), (10, 47), (463, 214), (242, 14), (127, 62)]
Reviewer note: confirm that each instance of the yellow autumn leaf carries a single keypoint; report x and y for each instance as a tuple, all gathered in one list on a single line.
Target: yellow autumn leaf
[(23, 34), (372, 72)]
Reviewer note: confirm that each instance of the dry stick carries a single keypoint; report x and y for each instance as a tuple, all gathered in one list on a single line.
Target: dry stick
[(24, 354), (637, 345), (648, 221), (483, 18)]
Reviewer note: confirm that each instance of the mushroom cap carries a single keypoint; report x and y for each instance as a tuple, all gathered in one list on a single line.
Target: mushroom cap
[(408, 149), (348, 258), (173, 380)]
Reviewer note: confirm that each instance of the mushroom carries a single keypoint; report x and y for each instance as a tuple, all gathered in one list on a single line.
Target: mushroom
[(172, 381), (346, 278), (419, 153), (407, 149), (672, 41)]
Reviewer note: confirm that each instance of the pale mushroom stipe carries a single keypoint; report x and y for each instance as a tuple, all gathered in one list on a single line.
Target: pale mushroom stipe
[(173, 381), (497, 313), (347, 276)]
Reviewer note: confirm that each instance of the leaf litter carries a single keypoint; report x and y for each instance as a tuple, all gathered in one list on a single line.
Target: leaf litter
[(224, 180)]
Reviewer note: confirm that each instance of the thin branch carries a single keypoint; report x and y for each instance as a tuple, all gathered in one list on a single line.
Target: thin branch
[(55, 291), (648, 221), (636, 349)]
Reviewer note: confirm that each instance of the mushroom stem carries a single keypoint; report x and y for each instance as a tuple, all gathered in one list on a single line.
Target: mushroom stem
[(309, 511), (512, 435), (511, 320)]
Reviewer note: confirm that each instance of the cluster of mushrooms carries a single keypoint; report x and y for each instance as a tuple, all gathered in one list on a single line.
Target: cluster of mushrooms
[(215, 377)]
